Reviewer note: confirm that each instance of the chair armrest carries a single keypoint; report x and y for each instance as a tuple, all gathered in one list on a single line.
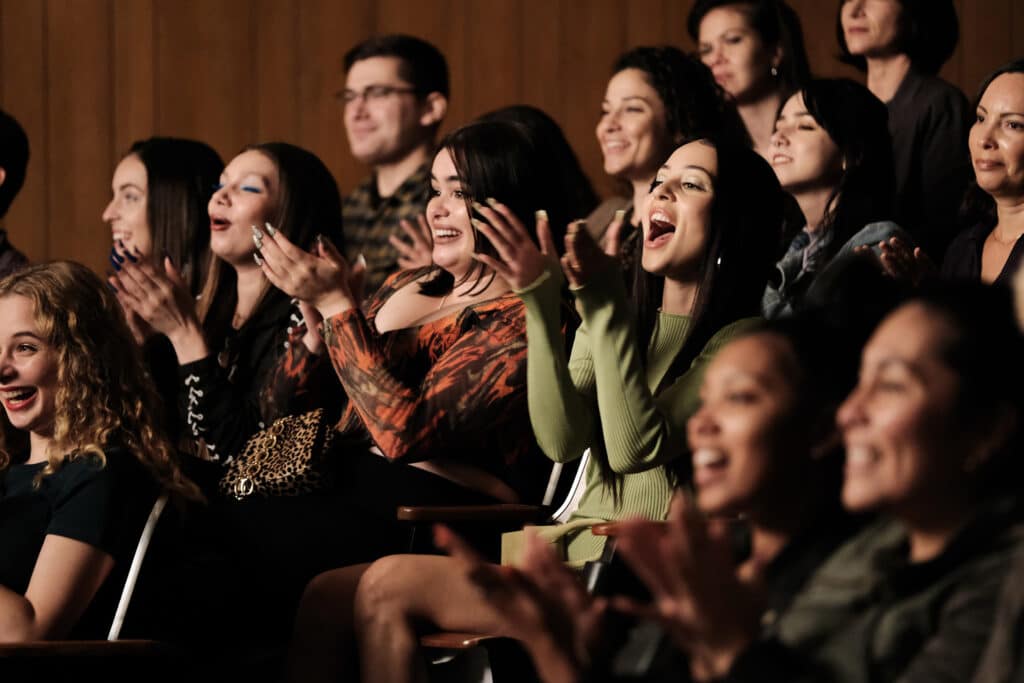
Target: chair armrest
[(502, 512)]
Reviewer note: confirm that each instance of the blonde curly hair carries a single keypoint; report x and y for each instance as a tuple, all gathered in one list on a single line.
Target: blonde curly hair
[(104, 395)]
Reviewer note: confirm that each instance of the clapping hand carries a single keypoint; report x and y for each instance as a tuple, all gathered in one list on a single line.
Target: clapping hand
[(418, 251), (520, 262), (322, 279)]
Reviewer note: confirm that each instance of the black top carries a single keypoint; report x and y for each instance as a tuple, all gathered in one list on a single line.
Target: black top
[(929, 120), (963, 258), (103, 506), (221, 393)]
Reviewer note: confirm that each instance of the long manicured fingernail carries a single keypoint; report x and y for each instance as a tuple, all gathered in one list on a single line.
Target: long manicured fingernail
[(270, 228), (131, 258), (256, 258), (620, 214), (478, 224), (477, 205), (492, 202), (541, 215), (256, 232), (361, 260), (114, 262), (320, 239), (114, 256)]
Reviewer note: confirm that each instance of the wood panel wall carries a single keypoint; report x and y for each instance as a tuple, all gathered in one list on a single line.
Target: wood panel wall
[(87, 77)]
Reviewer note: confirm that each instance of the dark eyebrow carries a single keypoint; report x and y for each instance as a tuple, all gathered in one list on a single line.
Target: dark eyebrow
[(31, 335)]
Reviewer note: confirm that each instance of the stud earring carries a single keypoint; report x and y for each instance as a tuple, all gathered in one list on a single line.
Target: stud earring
[(775, 71)]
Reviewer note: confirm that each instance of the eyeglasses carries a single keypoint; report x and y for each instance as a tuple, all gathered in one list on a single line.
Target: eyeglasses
[(372, 93)]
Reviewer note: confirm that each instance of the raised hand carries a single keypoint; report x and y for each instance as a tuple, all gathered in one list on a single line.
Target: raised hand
[(687, 565), (159, 298), (321, 279), (418, 251), (520, 262), (584, 258), (900, 262)]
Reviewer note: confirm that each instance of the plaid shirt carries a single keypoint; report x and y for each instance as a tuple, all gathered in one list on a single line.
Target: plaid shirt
[(370, 219)]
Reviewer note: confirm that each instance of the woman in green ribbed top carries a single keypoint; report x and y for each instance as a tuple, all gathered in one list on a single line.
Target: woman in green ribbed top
[(709, 226), (710, 230)]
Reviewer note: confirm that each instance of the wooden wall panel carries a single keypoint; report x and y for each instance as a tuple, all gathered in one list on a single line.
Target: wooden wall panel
[(23, 55), (87, 77), (134, 64), (79, 119), (206, 73)]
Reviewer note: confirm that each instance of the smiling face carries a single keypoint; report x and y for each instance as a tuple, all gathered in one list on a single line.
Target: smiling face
[(127, 211), (735, 53), (632, 129), (449, 219), (386, 127), (28, 368), (741, 435), (905, 446), (803, 155), (677, 213), (997, 138), (871, 28), (247, 195)]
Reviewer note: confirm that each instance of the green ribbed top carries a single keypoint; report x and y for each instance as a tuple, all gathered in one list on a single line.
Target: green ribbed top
[(603, 398)]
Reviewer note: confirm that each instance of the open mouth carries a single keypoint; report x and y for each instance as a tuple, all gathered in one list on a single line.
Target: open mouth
[(708, 464), (218, 223), (661, 229), (442, 235), (16, 399)]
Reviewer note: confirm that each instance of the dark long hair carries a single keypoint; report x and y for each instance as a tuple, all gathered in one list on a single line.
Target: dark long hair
[(744, 230), (777, 25), (495, 159), (547, 137), (695, 105), (309, 205), (928, 35), (180, 175), (858, 124), (979, 207)]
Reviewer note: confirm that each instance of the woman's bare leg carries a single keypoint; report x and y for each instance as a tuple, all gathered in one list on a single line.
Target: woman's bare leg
[(398, 592), (323, 646)]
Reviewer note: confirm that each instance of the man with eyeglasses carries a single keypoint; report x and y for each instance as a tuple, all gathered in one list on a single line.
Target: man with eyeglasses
[(395, 97)]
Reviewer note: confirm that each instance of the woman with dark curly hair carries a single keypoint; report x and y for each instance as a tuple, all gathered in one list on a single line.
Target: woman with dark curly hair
[(656, 98), (902, 44), (72, 505)]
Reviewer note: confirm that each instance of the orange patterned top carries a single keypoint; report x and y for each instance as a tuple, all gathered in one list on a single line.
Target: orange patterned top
[(452, 388)]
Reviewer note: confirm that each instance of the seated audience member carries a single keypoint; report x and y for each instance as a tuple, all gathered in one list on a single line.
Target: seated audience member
[(435, 368), (625, 393), (902, 44), (73, 505), (755, 49), (656, 98), (831, 153), (990, 248), (160, 191), (13, 163), (395, 98)]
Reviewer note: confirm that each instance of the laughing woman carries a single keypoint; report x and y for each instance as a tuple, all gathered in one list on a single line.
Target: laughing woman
[(72, 505)]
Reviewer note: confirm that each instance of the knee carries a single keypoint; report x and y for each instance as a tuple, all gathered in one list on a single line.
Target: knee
[(385, 589)]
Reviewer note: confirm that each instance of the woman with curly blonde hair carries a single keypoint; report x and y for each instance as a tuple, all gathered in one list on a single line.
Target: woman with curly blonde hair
[(74, 500)]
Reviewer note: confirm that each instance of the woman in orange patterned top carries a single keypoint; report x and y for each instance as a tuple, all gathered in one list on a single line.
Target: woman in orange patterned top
[(435, 367)]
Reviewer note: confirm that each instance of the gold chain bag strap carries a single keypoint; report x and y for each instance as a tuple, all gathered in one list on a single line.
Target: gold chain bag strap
[(285, 459)]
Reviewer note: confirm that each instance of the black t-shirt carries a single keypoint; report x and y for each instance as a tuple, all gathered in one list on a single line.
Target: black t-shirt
[(103, 506)]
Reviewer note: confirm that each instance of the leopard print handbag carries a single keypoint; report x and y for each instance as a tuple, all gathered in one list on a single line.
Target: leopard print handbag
[(285, 459)]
